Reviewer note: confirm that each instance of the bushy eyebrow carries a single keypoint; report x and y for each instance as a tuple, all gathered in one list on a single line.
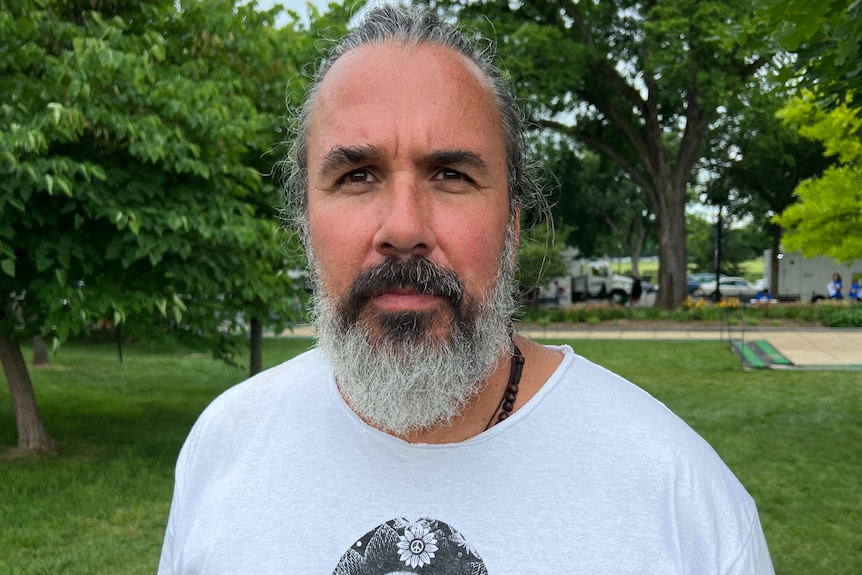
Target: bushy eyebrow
[(341, 158), (455, 158)]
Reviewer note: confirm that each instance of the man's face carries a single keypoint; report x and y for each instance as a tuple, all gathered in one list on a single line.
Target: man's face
[(406, 158)]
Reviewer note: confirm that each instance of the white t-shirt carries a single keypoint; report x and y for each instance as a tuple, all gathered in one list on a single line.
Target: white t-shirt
[(591, 476)]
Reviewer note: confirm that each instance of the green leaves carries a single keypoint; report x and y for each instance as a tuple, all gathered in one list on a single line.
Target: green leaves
[(839, 130), (640, 83), (8, 266), (826, 37), (827, 219), (131, 154)]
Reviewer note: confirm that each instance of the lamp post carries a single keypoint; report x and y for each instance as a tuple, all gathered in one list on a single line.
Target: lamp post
[(716, 295)]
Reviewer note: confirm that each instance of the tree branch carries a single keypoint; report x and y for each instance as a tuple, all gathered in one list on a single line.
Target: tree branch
[(631, 132), (572, 11), (637, 176), (696, 125), (604, 66)]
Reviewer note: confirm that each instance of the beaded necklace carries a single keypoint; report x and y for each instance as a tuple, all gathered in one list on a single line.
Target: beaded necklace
[(510, 394)]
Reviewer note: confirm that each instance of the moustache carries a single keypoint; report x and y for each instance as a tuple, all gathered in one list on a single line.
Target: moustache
[(418, 273)]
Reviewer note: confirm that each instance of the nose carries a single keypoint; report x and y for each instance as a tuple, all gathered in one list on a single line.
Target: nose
[(405, 221)]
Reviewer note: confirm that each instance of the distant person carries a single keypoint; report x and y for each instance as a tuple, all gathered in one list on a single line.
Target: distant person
[(853, 292), (559, 291), (637, 292), (834, 287), (763, 297)]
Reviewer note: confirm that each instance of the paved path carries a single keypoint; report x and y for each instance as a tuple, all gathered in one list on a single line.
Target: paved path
[(805, 347), (808, 348)]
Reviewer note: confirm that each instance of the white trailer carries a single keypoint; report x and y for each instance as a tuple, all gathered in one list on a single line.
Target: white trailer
[(805, 279)]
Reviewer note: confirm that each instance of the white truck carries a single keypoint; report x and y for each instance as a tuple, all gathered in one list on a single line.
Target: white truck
[(802, 278), (586, 279)]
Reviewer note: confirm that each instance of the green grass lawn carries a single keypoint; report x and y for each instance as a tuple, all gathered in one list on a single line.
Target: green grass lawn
[(100, 504)]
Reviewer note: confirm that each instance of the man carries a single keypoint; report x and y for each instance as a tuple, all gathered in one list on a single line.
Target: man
[(422, 434)]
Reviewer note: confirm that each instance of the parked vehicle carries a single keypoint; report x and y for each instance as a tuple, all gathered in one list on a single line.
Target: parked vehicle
[(587, 279), (694, 280), (648, 286), (802, 278), (728, 287)]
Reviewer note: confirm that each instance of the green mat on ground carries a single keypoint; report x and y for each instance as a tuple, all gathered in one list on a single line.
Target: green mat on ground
[(758, 354)]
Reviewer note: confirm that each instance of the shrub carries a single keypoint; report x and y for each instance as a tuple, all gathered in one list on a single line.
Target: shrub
[(640, 314), (840, 315), (731, 311)]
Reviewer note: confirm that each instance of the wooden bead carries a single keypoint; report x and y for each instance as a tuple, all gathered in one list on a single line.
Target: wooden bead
[(507, 403)]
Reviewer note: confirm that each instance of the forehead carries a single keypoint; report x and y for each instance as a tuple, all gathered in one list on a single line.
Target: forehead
[(431, 91), (392, 58)]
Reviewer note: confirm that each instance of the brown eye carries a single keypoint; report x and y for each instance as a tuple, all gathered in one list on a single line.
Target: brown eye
[(358, 177), (450, 175)]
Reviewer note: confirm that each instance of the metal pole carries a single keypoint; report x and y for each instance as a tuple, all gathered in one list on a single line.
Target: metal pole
[(716, 295)]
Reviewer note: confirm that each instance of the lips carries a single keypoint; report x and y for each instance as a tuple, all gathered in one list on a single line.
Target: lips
[(399, 290), (407, 290), (414, 278)]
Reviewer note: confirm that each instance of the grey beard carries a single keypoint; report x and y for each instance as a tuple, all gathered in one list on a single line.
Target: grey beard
[(409, 382)]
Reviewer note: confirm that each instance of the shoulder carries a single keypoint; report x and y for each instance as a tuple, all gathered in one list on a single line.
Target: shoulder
[(603, 411), (620, 438), (616, 425), (282, 393), (288, 378)]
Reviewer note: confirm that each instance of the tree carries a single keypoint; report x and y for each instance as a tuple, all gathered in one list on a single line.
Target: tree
[(638, 82), (739, 243), (57, 60), (539, 257), (601, 205), (242, 47), (822, 43), (40, 351), (825, 38), (130, 183), (825, 41), (700, 234), (757, 161), (572, 195), (828, 217), (618, 203)]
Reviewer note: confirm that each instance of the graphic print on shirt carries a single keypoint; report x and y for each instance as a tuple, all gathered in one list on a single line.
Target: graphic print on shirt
[(402, 546)]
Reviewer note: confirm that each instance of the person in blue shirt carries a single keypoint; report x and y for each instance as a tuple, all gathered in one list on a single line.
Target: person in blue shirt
[(835, 287), (853, 292), (763, 297)]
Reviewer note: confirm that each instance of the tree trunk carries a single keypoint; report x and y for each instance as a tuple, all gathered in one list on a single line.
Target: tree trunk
[(40, 351), (673, 265), (32, 434), (255, 364)]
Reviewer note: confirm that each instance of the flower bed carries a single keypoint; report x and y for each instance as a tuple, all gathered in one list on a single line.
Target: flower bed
[(730, 310)]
